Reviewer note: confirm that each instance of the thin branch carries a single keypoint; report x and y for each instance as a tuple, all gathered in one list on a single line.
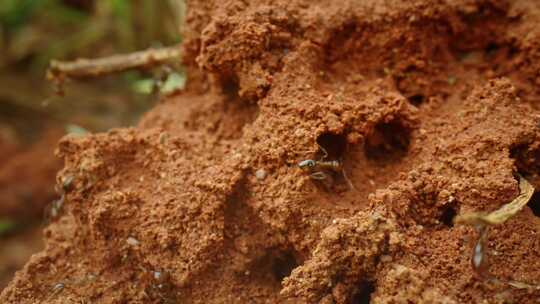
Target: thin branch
[(86, 68)]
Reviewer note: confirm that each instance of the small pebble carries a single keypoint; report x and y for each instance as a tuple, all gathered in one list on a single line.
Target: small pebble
[(132, 241), (58, 286), (162, 276), (386, 258), (91, 277), (260, 174)]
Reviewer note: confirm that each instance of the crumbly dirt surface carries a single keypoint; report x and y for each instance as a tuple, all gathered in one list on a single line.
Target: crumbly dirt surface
[(16, 249), (431, 107)]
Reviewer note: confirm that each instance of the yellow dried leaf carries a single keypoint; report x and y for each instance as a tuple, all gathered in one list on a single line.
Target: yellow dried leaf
[(521, 285), (502, 214)]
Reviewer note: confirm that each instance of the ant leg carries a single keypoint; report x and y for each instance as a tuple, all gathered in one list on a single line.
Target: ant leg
[(324, 151), (318, 175), (347, 179)]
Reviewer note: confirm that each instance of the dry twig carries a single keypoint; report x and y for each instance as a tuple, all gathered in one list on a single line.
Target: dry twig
[(59, 71)]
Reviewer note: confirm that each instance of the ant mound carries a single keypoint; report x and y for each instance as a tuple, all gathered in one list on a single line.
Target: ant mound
[(429, 109)]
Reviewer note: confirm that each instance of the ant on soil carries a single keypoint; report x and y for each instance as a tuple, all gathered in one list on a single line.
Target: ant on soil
[(69, 285), (321, 169), (160, 286), (54, 209)]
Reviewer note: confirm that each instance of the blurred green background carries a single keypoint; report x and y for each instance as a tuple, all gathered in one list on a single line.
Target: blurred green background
[(32, 32), (33, 118)]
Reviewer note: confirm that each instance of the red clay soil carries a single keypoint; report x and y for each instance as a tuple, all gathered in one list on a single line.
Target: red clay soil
[(15, 250), (431, 106)]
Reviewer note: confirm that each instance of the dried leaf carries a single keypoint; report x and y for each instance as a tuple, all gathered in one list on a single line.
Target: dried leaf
[(502, 214), (481, 222), (521, 285)]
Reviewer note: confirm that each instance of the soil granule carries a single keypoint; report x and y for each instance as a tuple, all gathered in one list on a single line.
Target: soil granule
[(431, 107)]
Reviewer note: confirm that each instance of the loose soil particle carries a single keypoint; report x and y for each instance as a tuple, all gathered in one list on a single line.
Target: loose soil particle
[(431, 106)]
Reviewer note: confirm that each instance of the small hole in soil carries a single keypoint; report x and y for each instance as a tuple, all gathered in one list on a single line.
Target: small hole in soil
[(364, 294), (389, 141), (282, 265), (491, 49), (534, 204), (416, 99), (526, 160), (512, 51), (231, 88), (447, 216), (334, 144), (340, 44)]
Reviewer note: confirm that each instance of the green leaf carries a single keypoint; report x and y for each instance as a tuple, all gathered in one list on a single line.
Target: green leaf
[(143, 86), (14, 13), (175, 81), (76, 130), (6, 225)]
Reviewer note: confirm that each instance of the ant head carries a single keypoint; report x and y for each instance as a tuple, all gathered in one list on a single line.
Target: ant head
[(308, 163)]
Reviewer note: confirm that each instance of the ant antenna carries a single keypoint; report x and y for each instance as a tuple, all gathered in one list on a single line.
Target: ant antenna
[(323, 150), (347, 179)]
